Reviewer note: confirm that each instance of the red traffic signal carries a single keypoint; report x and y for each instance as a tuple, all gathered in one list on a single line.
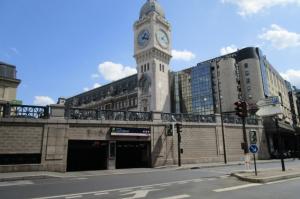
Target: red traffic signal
[(241, 108)]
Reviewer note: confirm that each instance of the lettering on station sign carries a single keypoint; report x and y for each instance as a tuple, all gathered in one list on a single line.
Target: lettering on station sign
[(123, 131)]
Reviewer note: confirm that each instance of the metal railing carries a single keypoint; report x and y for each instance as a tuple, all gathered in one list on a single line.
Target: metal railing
[(234, 119), (94, 114), (171, 117), (24, 111)]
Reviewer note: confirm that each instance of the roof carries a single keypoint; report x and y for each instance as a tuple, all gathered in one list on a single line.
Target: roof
[(151, 6)]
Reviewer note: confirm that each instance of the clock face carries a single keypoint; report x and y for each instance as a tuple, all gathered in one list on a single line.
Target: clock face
[(162, 38), (143, 38)]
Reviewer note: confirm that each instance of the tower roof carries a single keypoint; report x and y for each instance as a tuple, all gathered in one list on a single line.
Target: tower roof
[(151, 6)]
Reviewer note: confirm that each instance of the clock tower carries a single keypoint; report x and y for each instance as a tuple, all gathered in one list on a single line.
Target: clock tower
[(152, 51)]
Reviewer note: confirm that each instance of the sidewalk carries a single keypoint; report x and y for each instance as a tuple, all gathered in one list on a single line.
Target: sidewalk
[(267, 175), (45, 174)]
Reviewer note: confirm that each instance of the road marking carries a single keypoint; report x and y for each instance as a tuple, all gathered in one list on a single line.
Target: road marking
[(15, 183), (199, 180), (182, 182), (225, 176), (125, 190), (165, 185), (280, 181), (111, 190), (100, 193), (177, 197), (211, 179), (237, 187), (74, 196), (139, 193)]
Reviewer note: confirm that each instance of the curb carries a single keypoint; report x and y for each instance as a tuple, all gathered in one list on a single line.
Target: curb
[(266, 179), (35, 177)]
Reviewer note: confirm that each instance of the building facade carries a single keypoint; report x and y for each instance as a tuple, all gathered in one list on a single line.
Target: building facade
[(8, 83)]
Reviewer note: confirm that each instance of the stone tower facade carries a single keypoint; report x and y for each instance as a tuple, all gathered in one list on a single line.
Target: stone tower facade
[(152, 51)]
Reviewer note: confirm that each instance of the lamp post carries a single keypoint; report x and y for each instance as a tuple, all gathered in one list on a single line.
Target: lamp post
[(221, 113)]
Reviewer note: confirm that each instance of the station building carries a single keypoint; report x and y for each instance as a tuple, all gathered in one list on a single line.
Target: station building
[(210, 87), (8, 83)]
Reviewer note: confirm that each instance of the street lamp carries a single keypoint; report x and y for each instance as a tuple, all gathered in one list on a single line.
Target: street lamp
[(221, 113)]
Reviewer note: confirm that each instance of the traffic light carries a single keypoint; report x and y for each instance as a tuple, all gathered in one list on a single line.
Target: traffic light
[(241, 108), (179, 128), (253, 137), (169, 130)]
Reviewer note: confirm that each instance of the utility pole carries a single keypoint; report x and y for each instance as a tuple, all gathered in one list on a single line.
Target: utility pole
[(280, 143), (221, 114), (179, 131)]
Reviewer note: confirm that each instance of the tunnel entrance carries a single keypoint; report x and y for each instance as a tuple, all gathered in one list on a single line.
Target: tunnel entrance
[(133, 155), (87, 155)]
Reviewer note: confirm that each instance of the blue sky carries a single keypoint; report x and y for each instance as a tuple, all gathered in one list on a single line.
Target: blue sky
[(63, 47)]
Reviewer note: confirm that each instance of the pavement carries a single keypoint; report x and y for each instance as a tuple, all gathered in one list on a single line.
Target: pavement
[(265, 175)]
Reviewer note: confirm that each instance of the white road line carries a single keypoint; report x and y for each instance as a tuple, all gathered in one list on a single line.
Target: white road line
[(211, 179), (280, 181), (237, 187), (177, 197), (100, 193), (225, 176), (199, 180), (111, 190), (125, 190), (165, 185), (182, 182), (15, 183), (74, 196)]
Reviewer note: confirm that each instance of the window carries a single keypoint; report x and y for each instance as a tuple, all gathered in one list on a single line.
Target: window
[(141, 68), (145, 67), (248, 81), (148, 66), (247, 73), (246, 65), (163, 68), (160, 67), (249, 88)]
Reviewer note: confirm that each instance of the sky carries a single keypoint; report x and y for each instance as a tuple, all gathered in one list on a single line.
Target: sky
[(65, 47)]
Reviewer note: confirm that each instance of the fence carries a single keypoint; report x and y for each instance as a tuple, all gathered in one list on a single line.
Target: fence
[(94, 114), (24, 111)]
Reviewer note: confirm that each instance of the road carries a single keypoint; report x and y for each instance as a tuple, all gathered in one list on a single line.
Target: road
[(210, 183)]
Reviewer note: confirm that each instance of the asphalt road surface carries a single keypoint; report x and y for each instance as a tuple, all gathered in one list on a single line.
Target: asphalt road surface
[(195, 183)]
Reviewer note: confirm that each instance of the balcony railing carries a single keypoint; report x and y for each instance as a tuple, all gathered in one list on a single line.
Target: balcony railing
[(94, 114), (24, 111), (170, 117), (234, 119)]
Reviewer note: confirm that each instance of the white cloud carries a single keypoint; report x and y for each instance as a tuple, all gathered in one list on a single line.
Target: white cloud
[(43, 100), (184, 55), (250, 7), (94, 76), (86, 89), (280, 38), (96, 85), (292, 76), (228, 49), (113, 71)]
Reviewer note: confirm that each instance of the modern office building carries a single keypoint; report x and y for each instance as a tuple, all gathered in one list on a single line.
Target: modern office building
[(8, 83)]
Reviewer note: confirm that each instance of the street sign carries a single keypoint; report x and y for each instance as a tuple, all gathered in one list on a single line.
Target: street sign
[(253, 148), (273, 100)]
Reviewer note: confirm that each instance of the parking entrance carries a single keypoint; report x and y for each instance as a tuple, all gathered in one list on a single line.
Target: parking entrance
[(133, 155), (87, 155)]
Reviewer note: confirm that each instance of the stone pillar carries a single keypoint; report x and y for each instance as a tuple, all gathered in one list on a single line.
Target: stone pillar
[(57, 111)]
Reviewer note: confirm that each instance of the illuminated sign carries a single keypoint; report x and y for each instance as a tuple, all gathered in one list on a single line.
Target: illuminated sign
[(120, 131)]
